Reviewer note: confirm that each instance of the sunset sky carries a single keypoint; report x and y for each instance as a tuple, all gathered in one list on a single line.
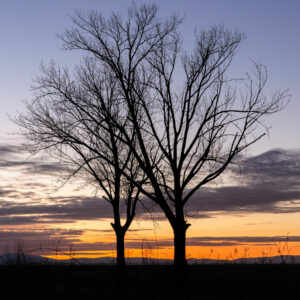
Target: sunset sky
[(247, 211)]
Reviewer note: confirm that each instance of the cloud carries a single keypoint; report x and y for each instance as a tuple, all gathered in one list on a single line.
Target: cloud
[(6, 192), (275, 166), (265, 183), (252, 198), (29, 220), (63, 209), (42, 239), (12, 156), (38, 167), (8, 150), (33, 167), (38, 233), (240, 240), (58, 210)]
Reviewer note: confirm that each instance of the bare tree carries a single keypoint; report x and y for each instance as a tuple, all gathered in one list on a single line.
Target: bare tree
[(190, 120), (66, 118)]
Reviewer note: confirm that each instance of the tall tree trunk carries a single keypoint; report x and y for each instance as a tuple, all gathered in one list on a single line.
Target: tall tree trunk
[(179, 243), (120, 237)]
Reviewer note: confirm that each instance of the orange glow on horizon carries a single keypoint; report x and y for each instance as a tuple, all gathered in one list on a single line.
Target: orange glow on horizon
[(219, 253)]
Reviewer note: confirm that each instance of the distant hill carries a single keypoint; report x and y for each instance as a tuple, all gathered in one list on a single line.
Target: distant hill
[(12, 258)]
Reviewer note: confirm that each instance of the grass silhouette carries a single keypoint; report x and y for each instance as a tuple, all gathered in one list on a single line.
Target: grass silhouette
[(22, 278), (229, 281)]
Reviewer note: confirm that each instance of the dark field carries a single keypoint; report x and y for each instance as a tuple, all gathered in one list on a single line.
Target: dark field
[(227, 281)]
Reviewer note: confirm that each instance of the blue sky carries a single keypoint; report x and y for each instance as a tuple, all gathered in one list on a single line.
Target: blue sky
[(28, 32)]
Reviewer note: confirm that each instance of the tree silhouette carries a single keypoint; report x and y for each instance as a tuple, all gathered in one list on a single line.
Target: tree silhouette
[(64, 119), (188, 117)]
